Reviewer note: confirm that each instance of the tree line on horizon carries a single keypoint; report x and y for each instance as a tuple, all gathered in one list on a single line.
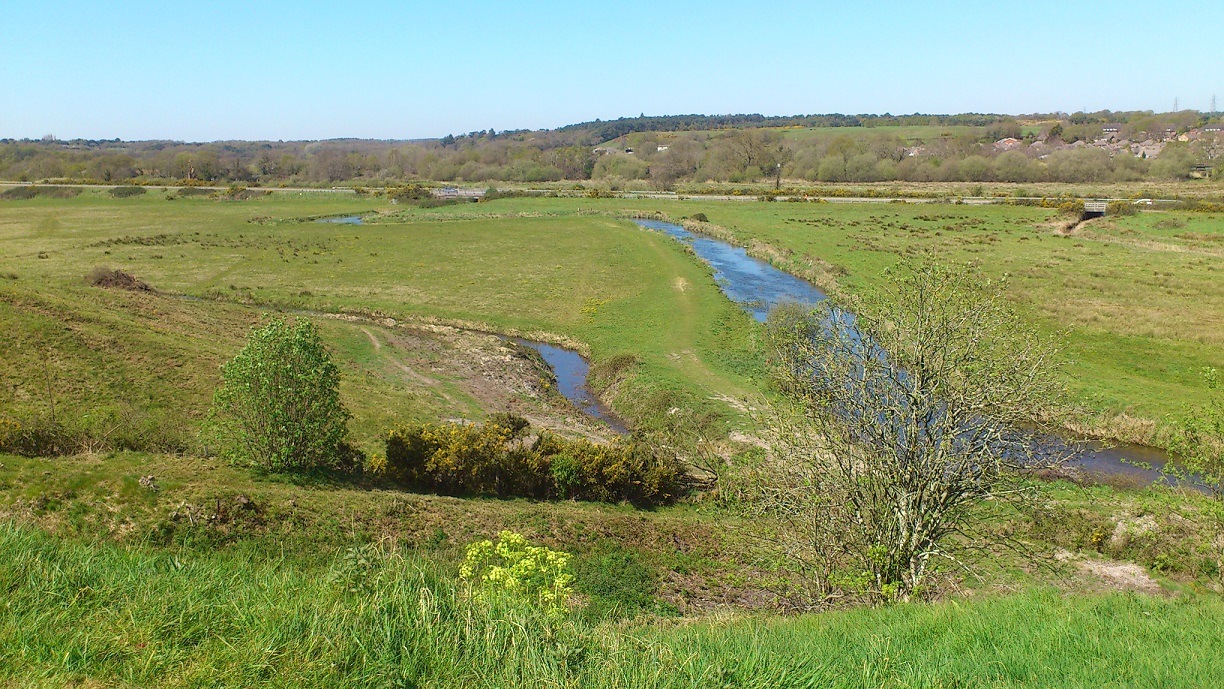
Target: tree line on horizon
[(660, 152)]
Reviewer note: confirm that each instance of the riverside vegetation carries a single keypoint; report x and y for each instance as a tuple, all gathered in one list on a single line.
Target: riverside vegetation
[(172, 567)]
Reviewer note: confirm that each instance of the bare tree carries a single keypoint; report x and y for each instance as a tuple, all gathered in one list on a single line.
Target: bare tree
[(917, 403)]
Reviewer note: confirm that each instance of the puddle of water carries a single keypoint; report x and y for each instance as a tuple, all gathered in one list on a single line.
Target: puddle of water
[(571, 371), (758, 286), (346, 220)]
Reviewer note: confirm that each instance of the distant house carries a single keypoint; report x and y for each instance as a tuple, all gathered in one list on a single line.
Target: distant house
[(1111, 128), (1007, 144), (1192, 135), (660, 149), (1212, 129)]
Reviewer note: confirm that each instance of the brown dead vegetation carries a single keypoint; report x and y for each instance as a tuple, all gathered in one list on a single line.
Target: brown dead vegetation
[(113, 278)]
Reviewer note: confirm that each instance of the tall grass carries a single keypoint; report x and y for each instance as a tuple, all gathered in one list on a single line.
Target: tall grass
[(77, 612)]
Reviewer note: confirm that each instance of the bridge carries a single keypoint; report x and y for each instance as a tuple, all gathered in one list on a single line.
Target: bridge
[(1094, 209)]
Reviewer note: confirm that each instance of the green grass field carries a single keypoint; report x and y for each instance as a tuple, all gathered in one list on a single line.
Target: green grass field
[(602, 284), (214, 575), (1139, 298)]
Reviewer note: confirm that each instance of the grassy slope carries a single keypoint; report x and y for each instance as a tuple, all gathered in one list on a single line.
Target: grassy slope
[(139, 617), (221, 577), (122, 365)]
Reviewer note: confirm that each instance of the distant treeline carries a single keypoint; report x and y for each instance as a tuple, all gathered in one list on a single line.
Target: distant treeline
[(600, 131), (659, 152)]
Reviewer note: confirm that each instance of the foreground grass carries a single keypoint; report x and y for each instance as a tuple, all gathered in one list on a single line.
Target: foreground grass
[(113, 616)]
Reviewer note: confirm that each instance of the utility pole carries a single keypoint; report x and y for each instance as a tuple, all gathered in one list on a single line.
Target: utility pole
[(1213, 105), (778, 181), (1175, 105)]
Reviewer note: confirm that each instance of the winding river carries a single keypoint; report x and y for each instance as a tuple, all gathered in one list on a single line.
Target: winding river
[(758, 286)]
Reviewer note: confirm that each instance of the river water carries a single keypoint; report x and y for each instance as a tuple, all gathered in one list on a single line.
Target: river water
[(571, 371), (343, 220), (758, 286)]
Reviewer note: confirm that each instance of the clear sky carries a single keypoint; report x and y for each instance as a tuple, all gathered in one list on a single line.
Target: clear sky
[(267, 69)]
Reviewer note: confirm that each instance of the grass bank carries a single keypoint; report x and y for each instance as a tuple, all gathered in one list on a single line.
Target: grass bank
[(135, 617)]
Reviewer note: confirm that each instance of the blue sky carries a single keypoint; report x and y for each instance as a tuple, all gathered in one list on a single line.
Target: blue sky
[(203, 71)]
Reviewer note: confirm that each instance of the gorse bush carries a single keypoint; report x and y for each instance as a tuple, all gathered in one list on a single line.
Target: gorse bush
[(279, 405), (514, 567), (127, 192), (498, 458), (1121, 208)]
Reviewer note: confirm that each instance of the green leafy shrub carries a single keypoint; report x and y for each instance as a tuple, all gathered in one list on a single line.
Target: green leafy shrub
[(496, 459), (617, 583), (10, 431), (514, 567), (279, 405), (24, 193)]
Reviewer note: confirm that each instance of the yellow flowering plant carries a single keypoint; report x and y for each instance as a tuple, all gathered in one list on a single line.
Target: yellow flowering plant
[(512, 566)]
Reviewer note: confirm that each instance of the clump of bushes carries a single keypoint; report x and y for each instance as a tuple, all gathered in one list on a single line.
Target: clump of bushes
[(500, 458), (1121, 208), (493, 193), (113, 278), (240, 193), (127, 192), (101, 430), (25, 193), (410, 192)]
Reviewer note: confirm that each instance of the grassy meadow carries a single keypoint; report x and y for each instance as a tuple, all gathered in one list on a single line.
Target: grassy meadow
[(130, 557), (1140, 299), (615, 292)]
